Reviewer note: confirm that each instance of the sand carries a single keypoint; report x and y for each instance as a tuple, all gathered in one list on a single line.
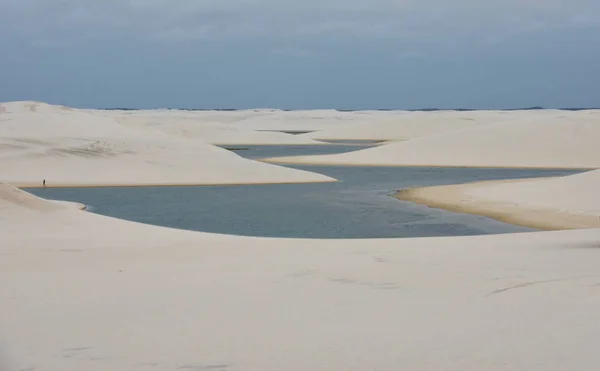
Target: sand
[(377, 125), (208, 128), (300, 121), (395, 126), (69, 147), (570, 202), (86, 292), (81, 291), (559, 140)]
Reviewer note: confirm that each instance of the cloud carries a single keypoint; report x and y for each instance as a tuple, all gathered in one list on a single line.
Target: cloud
[(296, 52), (430, 22)]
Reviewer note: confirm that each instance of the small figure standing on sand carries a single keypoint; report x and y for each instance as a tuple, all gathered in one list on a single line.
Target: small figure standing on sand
[(44, 183)]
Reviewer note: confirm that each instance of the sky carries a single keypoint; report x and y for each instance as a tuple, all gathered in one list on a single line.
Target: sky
[(309, 54)]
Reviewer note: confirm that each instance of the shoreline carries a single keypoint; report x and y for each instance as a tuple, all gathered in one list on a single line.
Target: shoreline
[(282, 160), (453, 198), (77, 205), (25, 185)]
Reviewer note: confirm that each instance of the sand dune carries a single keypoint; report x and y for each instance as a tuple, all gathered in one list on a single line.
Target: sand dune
[(383, 125), (317, 120), (390, 126), (13, 199), (267, 126), (556, 203), (200, 125), (559, 140), (85, 292), (79, 148), (81, 291)]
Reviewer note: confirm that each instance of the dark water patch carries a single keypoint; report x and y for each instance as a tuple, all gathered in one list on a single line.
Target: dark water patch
[(292, 132), (260, 152), (364, 142), (236, 149)]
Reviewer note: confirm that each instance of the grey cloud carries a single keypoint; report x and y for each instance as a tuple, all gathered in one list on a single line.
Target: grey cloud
[(427, 21)]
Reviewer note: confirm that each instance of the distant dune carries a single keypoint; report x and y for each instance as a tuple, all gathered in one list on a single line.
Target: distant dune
[(69, 147), (394, 126), (309, 120), (543, 139), (210, 127)]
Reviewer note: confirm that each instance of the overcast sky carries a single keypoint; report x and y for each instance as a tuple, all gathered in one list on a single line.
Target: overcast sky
[(352, 54)]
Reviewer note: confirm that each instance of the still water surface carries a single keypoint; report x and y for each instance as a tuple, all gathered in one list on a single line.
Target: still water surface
[(360, 205)]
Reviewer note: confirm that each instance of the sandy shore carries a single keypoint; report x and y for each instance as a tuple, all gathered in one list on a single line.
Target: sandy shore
[(455, 198), (309, 160), (76, 205), (159, 184)]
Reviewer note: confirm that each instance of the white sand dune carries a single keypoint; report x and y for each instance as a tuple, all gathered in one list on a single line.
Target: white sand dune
[(200, 125), (559, 140), (555, 203), (357, 125), (14, 200), (85, 292), (79, 148), (574, 193), (394, 126), (382, 125), (315, 121), (79, 291)]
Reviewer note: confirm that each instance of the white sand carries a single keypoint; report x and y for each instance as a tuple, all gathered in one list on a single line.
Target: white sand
[(79, 291), (267, 126), (79, 148), (311, 120), (559, 139), (378, 125), (578, 193), (208, 128), (408, 125), (86, 292), (569, 202)]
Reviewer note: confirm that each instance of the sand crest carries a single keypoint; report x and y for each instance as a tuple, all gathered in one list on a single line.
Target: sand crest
[(569, 202), (201, 126), (399, 126), (69, 147), (560, 140)]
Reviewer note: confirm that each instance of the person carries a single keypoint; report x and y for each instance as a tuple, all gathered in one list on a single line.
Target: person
[(44, 183)]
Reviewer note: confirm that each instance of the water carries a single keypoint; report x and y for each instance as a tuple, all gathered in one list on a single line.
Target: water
[(359, 206), (260, 152)]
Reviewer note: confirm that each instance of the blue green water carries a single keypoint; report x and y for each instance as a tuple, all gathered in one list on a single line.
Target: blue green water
[(358, 206)]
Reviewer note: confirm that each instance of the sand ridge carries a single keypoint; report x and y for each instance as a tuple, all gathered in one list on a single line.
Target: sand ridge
[(12, 199), (558, 140), (80, 148), (394, 126), (569, 202), (208, 128)]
